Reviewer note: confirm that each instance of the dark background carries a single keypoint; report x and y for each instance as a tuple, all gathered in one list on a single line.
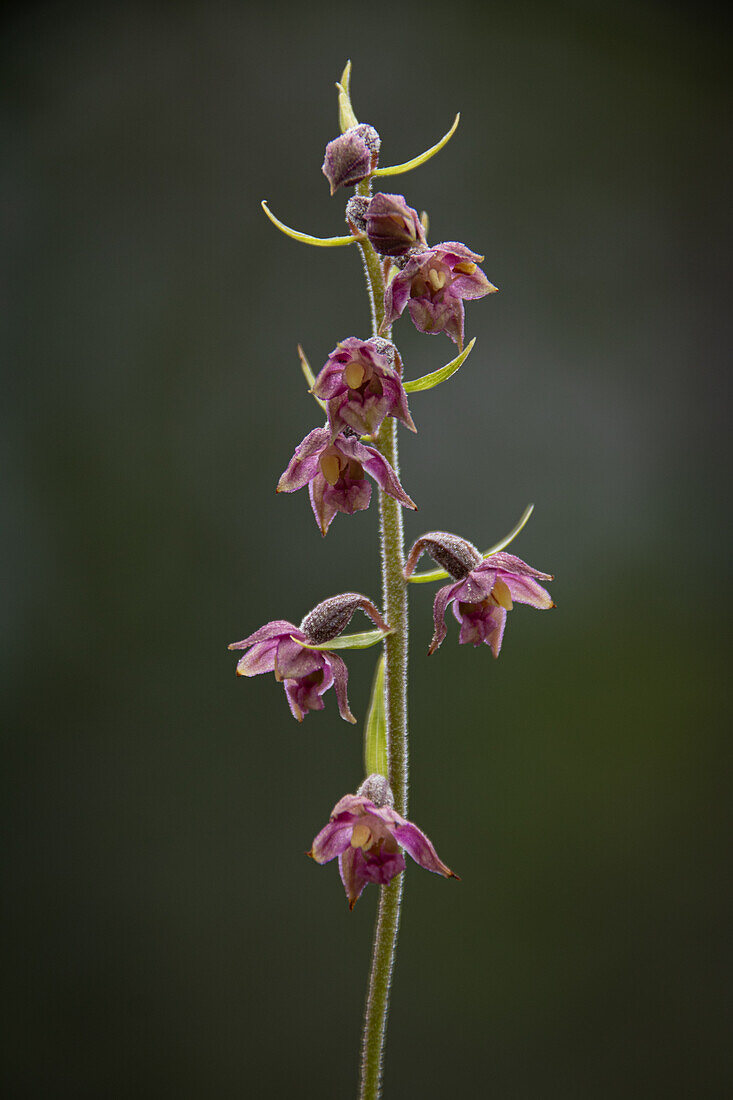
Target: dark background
[(167, 936)]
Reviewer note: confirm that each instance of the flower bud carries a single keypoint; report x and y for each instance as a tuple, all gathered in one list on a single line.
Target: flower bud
[(331, 617), (377, 790), (351, 157), (392, 226)]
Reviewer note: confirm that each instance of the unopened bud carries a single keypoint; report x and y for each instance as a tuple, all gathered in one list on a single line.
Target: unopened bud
[(392, 226), (351, 157)]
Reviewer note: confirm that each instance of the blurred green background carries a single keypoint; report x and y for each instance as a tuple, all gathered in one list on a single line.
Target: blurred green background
[(166, 934)]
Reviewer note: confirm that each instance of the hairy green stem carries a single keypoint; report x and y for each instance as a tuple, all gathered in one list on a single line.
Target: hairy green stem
[(380, 978), (394, 591)]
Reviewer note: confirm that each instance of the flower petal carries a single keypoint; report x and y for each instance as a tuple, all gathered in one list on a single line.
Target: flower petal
[(304, 463), (260, 658), (293, 660), (323, 509), (434, 317), (291, 694), (398, 292), (475, 587), (382, 869), (417, 845), (472, 286), (473, 627), (527, 590), (269, 630), (340, 679), (455, 251), (496, 637), (510, 563), (351, 869), (480, 625), (332, 840), (442, 598), (398, 403), (350, 804), (350, 496), (363, 415), (330, 381)]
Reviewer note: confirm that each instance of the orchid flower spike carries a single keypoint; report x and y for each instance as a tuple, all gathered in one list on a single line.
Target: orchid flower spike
[(367, 835), (306, 673), (334, 470), (483, 588)]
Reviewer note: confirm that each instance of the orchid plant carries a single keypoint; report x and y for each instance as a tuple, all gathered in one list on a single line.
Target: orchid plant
[(362, 393)]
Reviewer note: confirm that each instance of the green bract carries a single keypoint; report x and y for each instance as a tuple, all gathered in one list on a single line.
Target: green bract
[(398, 169), (306, 238), (375, 730), (349, 641), (441, 575), (309, 376), (428, 381), (347, 118)]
